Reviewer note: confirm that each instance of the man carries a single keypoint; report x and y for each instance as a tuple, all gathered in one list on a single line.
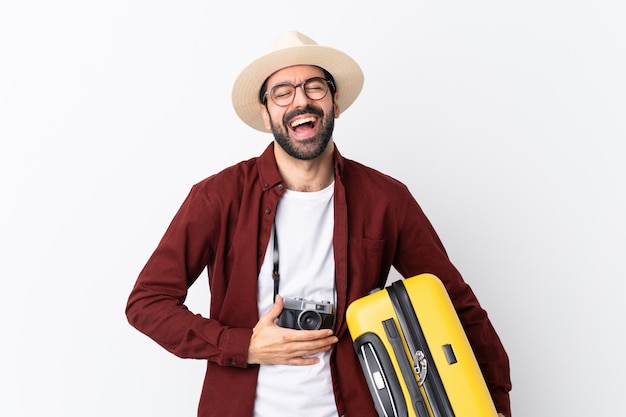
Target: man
[(299, 221)]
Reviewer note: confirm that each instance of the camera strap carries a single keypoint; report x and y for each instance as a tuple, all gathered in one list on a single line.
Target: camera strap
[(275, 273)]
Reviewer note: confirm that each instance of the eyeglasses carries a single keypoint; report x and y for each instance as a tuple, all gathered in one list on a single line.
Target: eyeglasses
[(314, 88)]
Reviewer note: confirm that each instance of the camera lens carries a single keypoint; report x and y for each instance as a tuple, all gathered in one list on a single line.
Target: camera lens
[(309, 320)]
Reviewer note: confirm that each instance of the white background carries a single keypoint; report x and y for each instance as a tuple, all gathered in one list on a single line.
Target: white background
[(505, 119)]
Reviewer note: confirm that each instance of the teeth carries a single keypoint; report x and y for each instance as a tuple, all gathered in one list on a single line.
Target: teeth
[(299, 122)]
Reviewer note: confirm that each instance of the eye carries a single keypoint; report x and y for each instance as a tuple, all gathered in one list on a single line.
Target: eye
[(315, 85), (314, 89), (282, 91)]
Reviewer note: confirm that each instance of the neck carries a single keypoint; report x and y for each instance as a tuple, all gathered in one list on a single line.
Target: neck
[(306, 175)]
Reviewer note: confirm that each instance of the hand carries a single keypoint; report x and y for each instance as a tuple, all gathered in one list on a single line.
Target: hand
[(272, 344), (500, 415)]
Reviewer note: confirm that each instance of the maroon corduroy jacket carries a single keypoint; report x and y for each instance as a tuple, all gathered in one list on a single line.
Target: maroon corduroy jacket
[(225, 224)]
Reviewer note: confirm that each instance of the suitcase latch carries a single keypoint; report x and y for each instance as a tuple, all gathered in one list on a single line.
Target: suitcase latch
[(420, 366)]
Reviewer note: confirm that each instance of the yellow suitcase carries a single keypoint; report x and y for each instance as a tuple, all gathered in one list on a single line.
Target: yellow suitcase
[(414, 353)]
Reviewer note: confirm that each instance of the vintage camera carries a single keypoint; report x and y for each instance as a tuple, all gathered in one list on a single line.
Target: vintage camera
[(301, 314)]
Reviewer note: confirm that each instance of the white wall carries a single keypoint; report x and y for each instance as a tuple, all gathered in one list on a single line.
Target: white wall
[(506, 120)]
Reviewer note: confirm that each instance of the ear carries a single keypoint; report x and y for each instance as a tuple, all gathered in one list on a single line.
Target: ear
[(266, 117)]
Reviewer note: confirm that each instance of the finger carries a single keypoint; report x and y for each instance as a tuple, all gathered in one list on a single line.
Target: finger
[(275, 311), (314, 351), (309, 357), (308, 348), (302, 361), (292, 335)]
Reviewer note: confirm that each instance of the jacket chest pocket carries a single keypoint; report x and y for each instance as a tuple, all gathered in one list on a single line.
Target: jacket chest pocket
[(366, 268)]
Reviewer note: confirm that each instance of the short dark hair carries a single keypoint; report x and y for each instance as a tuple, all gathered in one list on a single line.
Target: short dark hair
[(327, 75)]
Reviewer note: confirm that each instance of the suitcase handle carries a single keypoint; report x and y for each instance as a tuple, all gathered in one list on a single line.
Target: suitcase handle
[(382, 381)]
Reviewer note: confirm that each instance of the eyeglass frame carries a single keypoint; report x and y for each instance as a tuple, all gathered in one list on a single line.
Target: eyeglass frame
[(329, 83)]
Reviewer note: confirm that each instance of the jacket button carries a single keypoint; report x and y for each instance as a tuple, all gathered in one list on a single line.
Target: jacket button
[(233, 362), (268, 211), (280, 187)]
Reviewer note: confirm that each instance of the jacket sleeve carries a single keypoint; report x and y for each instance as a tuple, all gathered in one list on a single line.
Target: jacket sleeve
[(420, 250), (156, 303)]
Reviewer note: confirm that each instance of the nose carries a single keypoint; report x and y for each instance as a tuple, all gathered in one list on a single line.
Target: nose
[(300, 99)]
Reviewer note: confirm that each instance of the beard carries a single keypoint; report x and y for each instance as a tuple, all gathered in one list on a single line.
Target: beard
[(310, 148)]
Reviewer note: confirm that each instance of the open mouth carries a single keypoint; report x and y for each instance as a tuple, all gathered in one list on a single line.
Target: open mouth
[(303, 124)]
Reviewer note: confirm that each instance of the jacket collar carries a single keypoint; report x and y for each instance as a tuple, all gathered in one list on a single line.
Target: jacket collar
[(268, 169)]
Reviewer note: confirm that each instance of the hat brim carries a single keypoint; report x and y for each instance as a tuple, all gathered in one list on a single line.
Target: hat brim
[(346, 72)]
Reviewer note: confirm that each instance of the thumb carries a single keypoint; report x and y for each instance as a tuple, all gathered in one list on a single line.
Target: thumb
[(276, 309)]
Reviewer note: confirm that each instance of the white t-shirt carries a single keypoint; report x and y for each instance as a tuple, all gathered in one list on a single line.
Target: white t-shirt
[(304, 225)]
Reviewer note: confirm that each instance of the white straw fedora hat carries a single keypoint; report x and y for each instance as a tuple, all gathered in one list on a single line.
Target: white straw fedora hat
[(294, 48)]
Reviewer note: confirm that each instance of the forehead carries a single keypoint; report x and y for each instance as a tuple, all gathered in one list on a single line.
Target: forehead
[(294, 74)]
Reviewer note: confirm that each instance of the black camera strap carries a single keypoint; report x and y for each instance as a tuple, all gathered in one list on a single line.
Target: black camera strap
[(275, 273)]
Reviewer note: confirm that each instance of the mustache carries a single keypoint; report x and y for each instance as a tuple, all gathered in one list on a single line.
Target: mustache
[(306, 110)]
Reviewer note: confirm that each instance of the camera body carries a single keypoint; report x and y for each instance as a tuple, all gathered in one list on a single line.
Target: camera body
[(301, 314)]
